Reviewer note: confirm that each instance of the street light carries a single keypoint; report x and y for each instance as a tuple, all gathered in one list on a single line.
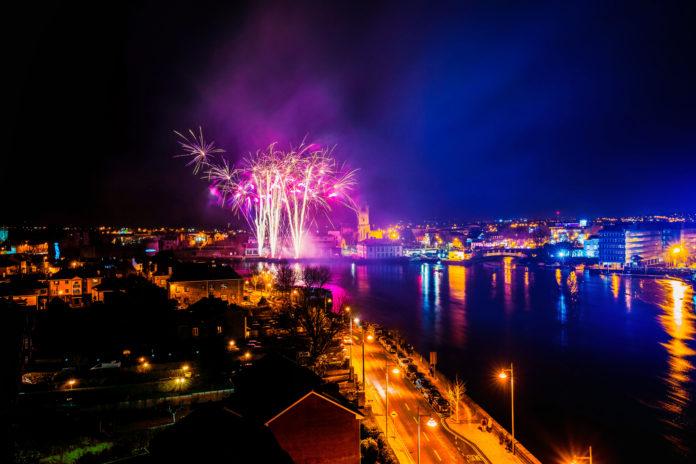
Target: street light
[(578, 459), (504, 375), (72, 382), (431, 423), (386, 395)]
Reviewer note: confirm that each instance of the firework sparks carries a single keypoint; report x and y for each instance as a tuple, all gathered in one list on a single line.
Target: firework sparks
[(196, 148), (276, 191)]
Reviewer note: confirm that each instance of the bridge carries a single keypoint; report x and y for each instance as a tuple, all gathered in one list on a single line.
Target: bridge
[(513, 252)]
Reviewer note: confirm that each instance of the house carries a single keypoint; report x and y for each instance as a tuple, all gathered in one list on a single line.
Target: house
[(308, 418), (25, 291), (74, 286), (191, 282), (374, 248), (213, 433)]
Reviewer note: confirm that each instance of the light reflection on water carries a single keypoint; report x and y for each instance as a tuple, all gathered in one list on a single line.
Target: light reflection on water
[(677, 319)]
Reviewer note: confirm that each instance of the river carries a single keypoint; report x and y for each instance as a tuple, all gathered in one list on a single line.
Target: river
[(606, 361)]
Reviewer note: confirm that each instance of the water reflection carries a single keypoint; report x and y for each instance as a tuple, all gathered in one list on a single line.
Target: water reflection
[(507, 281), (615, 280), (572, 283), (456, 276), (677, 320), (628, 294), (457, 282)]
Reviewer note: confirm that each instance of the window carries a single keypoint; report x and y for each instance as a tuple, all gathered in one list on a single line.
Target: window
[(219, 329), (195, 331), (178, 289)]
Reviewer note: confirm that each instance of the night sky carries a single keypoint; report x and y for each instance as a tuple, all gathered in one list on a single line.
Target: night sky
[(468, 110)]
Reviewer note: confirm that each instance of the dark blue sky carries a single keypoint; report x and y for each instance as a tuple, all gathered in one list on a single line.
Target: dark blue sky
[(461, 110)]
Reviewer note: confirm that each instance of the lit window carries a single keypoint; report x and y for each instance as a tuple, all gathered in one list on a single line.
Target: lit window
[(195, 331), (219, 329)]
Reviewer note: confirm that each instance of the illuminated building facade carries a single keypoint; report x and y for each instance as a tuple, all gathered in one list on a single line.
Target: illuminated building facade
[(192, 282), (73, 286), (373, 248), (621, 247)]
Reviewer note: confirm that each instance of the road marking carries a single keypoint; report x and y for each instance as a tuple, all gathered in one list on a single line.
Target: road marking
[(426, 437), (407, 408), (438, 456), (415, 420)]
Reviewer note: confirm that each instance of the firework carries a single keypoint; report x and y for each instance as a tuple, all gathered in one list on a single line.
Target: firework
[(276, 191), (197, 149)]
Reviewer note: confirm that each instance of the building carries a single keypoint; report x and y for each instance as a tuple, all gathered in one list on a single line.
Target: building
[(74, 286), (318, 429), (311, 422), (638, 245), (191, 282), (373, 248), (363, 223), (25, 291), (591, 247)]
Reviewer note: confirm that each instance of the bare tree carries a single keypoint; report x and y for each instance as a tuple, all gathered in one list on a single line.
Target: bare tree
[(255, 278), (319, 324), (455, 393), (315, 277), (285, 278)]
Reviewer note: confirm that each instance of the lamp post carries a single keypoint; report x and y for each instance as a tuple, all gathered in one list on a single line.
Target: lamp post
[(386, 395), (504, 375), (431, 423), (578, 459), (362, 329)]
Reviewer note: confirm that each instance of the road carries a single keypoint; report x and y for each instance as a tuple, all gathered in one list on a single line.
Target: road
[(437, 444)]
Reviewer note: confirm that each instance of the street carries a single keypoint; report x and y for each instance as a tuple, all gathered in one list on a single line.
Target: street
[(436, 443)]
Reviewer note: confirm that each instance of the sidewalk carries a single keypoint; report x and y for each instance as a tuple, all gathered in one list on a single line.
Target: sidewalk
[(486, 442)]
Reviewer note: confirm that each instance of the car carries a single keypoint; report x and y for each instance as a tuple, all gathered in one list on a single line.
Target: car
[(423, 384), (433, 395), (391, 349), (111, 365), (418, 376), (411, 370), (442, 406)]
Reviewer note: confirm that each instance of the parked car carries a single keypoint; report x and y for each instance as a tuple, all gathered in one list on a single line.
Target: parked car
[(433, 395), (423, 383), (109, 365), (442, 406), (411, 370), (418, 376), (391, 349)]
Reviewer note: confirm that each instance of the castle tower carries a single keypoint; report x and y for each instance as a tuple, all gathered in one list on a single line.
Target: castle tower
[(363, 222)]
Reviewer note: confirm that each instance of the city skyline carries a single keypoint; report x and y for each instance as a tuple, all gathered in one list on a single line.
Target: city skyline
[(586, 111)]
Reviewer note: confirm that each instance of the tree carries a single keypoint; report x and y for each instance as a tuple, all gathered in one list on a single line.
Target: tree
[(255, 278), (315, 277), (319, 322), (455, 394), (285, 278)]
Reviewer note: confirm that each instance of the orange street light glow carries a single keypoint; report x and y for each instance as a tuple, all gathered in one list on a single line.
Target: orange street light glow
[(185, 367), (231, 342), (502, 375), (369, 337), (431, 422), (396, 370)]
